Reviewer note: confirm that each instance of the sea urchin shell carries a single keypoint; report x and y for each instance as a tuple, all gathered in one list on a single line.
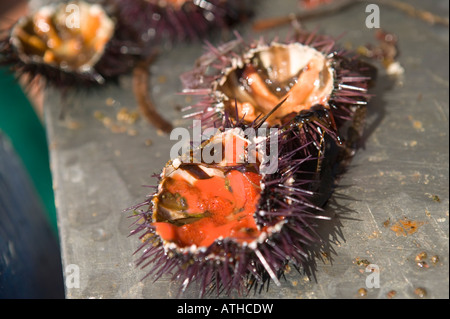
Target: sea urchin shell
[(71, 44), (231, 224), (180, 19), (307, 69)]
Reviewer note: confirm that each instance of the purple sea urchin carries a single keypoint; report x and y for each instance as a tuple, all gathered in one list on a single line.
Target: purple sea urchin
[(180, 19), (70, 45), (227, 225), (308, 70), (321, 99)]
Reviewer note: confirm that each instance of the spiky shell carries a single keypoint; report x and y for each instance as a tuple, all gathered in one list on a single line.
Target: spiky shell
[(74, 44), (310, 146), (180, 20), (286, 212), (345, 102)]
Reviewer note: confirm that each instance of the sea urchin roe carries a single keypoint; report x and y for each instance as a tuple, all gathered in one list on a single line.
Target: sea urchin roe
[(61, 37), (295, 72), (198, 213)]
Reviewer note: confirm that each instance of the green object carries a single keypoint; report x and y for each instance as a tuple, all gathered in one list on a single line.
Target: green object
[(20, 123)]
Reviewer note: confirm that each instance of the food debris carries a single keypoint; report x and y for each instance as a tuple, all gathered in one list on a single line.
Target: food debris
[(416, 124), (326, 257), (386, 52), (434, 197), (412, 143), (422, 264), (362, 262), (420, 260), (395, 68), (420, 292), (287, 269), (434, 259), (391, 294), (126, 116), (375, 234), (110, 101), (405, 227), (362, 292), (124, 119), (421, 256)]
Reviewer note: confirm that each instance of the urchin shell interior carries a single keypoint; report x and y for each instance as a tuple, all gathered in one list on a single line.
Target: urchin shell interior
[(292, 198), (295, 72), (228, 224), (199, 203), (59, 37)]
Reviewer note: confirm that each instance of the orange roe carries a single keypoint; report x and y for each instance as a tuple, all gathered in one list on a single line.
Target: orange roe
[(227, 204)]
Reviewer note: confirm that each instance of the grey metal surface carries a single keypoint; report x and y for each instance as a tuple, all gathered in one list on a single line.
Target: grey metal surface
[(400, 174)]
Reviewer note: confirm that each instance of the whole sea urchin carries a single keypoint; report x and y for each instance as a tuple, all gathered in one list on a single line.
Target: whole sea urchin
[(71, 44)]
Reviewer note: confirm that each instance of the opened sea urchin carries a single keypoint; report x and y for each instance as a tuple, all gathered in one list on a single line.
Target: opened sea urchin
[(231, 224), (71, 44), (307, 70)]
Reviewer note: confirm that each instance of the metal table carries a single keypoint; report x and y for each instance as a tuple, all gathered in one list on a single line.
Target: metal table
[(398, 182)]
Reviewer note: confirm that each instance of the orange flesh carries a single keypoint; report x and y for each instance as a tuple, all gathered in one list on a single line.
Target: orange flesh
[(226, 204), (60, 44), (258, 98)]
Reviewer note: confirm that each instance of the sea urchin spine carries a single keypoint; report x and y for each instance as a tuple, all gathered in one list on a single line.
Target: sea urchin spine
[(229, 225)]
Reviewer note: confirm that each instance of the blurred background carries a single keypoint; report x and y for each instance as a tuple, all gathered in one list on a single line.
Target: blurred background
[(30, 262)]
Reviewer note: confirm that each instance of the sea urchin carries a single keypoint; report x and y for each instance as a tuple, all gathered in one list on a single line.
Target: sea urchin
[(231, 223), (70, 44), (179, 20)]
